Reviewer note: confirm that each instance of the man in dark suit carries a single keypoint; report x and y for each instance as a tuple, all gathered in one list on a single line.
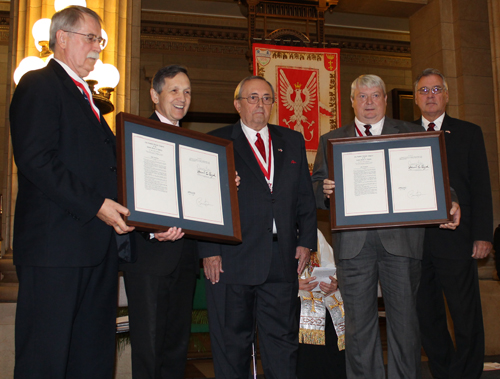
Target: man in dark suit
[(365, 257), (449, 264), (66, 217), (160, 284), (255, 283)]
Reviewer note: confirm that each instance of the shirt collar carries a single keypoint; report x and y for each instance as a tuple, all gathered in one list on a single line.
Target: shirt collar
[(438, 122), (376, 128), (251, 134), (165, 120), (73, 74)]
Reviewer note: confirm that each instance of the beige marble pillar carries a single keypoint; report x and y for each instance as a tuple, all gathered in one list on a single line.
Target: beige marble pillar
[(494, 18), (454, 37), (121, 21)]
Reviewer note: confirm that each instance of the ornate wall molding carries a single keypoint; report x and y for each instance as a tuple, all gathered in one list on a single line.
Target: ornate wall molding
[(224, 39), (360, 59), (198, 47)]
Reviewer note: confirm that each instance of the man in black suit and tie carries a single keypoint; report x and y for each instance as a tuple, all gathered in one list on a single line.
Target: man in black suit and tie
[(255, 283), (449, 264), (160, 284), (66, 220), (365, 257)]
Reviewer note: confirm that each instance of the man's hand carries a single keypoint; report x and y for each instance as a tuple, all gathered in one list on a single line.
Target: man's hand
[(237, 179), (303, 254), (329, 288), (328, 186), (481, 249), (456, 213), (111, 213), (307, 284), (213, 267), (172, 234)]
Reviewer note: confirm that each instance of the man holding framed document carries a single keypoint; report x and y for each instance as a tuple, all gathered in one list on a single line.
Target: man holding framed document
[(363, 257), (160, 284)]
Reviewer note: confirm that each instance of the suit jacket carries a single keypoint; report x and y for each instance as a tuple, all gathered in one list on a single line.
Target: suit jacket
[(291, 204), (159, 258), (66, 168), (469, 177), (405, 242)]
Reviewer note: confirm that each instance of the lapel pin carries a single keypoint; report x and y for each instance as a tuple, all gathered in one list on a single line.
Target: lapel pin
[(293, 162), (447, 131), (280, 150)]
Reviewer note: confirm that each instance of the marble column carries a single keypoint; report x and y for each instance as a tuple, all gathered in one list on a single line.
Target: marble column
[(494, 18), (455, 37)]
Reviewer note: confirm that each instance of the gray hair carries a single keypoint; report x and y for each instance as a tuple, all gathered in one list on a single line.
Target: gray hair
[(167, 72), (237, 92), (429, 72), (69, 19), (368, 81)]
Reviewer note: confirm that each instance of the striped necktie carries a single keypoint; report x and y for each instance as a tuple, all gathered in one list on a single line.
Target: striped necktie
[(367, 130), (87, 97)]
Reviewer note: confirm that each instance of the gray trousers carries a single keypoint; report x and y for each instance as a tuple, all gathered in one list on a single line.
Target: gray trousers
[(399, 278)]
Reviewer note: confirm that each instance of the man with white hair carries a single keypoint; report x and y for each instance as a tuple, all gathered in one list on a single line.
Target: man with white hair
[(363, 257), (67, 220)]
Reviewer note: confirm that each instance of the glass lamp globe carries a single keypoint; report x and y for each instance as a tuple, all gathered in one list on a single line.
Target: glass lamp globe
[(27, 64), (108, 76), (41, 31)]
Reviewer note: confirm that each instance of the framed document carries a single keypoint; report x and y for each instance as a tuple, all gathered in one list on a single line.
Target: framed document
[(388, 181), (168, 177)]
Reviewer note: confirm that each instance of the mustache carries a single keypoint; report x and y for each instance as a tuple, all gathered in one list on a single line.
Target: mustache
[(93, 55)]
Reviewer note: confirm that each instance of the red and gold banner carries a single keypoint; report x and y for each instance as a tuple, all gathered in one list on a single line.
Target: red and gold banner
[(306, 84)]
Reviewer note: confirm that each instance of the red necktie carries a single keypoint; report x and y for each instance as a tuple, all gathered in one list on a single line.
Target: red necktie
[(430, 127), (87, 97), (367, 130), (259, 144)]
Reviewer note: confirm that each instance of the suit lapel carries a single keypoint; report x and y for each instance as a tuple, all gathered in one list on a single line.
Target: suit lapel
[(77, 95), (278, 143), (243, 149), (350, 130), (389, 127), (154, 116), (447, 127)]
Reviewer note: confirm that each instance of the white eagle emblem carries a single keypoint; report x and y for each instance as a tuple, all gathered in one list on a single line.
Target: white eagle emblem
[(297, 105)]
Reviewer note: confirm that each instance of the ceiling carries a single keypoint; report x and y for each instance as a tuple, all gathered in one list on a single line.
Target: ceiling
[(377, 14)]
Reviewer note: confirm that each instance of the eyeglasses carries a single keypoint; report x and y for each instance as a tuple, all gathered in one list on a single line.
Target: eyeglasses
[(253, 99), (434, 90), (91, 38)]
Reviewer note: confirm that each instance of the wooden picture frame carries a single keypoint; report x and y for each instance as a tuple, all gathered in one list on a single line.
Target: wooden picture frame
[(168, 176), (389, 181)]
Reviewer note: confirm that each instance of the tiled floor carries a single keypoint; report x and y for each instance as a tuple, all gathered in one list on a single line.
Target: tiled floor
[(200, 364), (198, 369)]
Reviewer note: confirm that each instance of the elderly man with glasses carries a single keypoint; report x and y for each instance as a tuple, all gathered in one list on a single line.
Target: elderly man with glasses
[(67, 220), (255, 283), (449, 264)]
